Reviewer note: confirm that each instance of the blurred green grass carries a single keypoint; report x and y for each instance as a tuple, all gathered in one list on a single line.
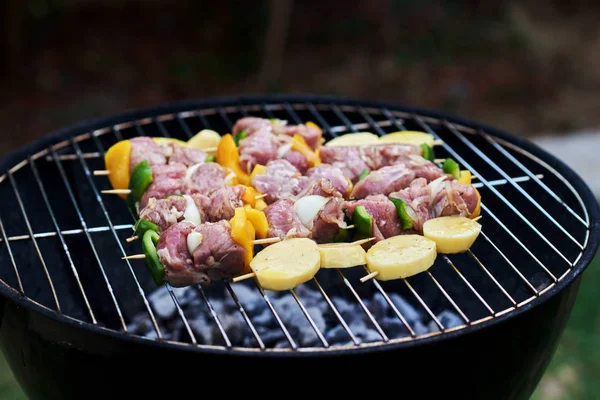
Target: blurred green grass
[(573, 374)]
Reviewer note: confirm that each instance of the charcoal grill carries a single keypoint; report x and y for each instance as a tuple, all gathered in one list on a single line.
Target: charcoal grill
[(76, 320)]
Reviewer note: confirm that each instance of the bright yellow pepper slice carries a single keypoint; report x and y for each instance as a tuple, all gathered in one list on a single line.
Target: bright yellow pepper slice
[(259, 169), (477, 210), (243, 233), (299, 144), (465, 177), (249, 196), (261, 205), (311, 124), (228, 156), (258, 219), (116, 161)]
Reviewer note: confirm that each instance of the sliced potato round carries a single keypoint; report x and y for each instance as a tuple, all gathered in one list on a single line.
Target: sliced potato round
[(452, 234), (205, 139), (354, 139), (166, 140), (286, 264), (408, 137), (342, 255), (401, 256)]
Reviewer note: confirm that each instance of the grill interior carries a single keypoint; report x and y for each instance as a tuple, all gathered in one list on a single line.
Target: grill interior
[(62, 242)]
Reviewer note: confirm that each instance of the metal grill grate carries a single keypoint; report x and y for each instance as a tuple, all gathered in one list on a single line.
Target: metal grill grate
[(62, 241)]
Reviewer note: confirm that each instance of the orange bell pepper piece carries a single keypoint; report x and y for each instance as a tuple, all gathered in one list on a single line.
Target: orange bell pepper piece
[(243, 233), (249, 196), (299, 144), (477, 210), (228, 156), (311, 124), (259, 169), (116, 161), (258, 219), (465, 177)]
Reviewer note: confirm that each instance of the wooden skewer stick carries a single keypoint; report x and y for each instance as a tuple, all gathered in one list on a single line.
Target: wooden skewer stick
[(362, 241), (349, 227), (131, 239), (439, 160), (209, 149), (116, 191), (438, 142), (101, 172), (260, 196), (134, 257), (267, 240), (477, 218), (369, 277), (244, 277)]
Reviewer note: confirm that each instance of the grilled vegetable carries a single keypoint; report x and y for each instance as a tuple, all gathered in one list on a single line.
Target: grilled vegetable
[(166, 140), (452, 234), (116, 162), (428, 153), (451, 167), (260, 204), (210, 158), (205, 139), (228, 156), (465, 177), (286, 264), (312, 125), (477, 210), (243, 233), (157, 270), (401, 256), (299, 144), (363, 223), (143, 225), (258, 170), (342, 255), (408, 137), (241, 135), (363, 174), (406, 221), (141, 178), (258, 219), (354, 139), (249, 196)]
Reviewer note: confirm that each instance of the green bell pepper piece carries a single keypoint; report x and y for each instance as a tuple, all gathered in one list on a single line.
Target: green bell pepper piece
[(451, 167), (363, 222), (143, 225), (405, 221), (427, 152), (141, 178), (210, 158), (241, 135), (363, 174), (157, 270)]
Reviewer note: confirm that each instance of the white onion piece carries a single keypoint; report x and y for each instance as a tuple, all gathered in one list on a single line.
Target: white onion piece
[(191, 213), (229, 178), (193, 240), (434, 188), (190, 171), (283, 149), (308, 207)]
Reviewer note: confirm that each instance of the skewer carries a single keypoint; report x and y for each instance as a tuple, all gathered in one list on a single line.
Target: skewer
[(131, 239), (134, 257), (477, 218), (116, 191), (267, 240), (244, 277), (439, 160), (363, 241), (349, 227), (209, 149), (438, 142), (101, 172), (260, 196), (369, 277)]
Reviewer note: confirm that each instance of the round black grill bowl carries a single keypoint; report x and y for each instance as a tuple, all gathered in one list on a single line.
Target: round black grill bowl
[(514, 292)]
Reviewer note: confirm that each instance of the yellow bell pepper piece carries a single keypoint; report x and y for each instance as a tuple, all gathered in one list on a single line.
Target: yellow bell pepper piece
[(261, 205), (167, 140), (477, 210), (258, 219), (312, 125), (465, 177), (299, 144), (228, 156), (116, 161), (249, 196), (258, 170), (243, 233)]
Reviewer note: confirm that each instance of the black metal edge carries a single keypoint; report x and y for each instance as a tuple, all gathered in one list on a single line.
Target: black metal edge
[(194, 104)]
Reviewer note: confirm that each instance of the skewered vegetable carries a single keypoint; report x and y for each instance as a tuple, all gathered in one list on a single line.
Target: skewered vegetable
[(354, 139), (452, 234), (477, 210), (241, 135), (363, 222), (157, 270), (258, 219), (228, 156), (401, 256), (342, 255), (406, 221), (299, 145), (408, 137), (465, 177), (141, 178), (428, 152), (243, 233), (363, 174), (286, 264), (205, 139), (116, 162), (451, 167), (143, 225)]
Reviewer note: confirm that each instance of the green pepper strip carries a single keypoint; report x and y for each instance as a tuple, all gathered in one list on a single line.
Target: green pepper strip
[(363, 174), (363, 222), (141, 178), (143, 225), (405, 220), (427, 152), (344, 235), (210, 158), (241, 135), (451, 167), (152, 261)]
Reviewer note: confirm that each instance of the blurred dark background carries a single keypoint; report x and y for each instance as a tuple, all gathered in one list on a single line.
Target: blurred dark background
[(530, 67)]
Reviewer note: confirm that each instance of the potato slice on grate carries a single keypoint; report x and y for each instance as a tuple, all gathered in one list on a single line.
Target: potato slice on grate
[(342, 255), (401, 256), (354, 139), (452, 234), (205, 139), (408, 137), (286, 264)]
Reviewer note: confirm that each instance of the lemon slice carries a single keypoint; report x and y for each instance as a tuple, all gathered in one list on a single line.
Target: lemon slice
[(452, 234), (354, 139), (401, 256), (286, 264), (408, 137), (205, 139), (342, 255)]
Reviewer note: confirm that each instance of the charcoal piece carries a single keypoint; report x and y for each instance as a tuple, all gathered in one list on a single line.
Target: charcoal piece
[(371, 335), (449, 319), (409, 313), (234, 328), (264, 319), (347, 310), (282, 344), (337, 335), (309, 296), (272, 336), (202, 331), (379, 306), (420, 328), (394, 327), (162, 303)]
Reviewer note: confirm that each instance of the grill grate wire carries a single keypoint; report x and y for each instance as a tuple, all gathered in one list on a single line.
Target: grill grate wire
[(392, 120)]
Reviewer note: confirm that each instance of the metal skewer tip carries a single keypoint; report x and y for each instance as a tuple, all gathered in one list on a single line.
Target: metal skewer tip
[(134, 257), (369, 277), (267, 240), (101, 172), (244, 277), (116, 191)]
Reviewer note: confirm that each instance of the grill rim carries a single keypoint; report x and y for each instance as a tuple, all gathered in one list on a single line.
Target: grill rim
[(83, 127)]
